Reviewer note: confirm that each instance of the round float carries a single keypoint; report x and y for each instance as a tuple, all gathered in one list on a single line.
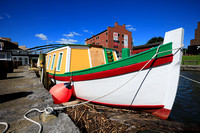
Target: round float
[(61, 93)]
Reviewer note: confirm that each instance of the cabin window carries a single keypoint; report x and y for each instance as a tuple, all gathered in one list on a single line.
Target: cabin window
[(46, 61), (49, 62), (59, 61), (53, 60)]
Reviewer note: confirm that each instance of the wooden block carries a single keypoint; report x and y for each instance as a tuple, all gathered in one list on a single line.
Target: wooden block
[(71, 103), (47, 117)]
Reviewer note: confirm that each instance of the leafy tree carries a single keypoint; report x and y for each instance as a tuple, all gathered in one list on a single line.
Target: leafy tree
[(155, 39)]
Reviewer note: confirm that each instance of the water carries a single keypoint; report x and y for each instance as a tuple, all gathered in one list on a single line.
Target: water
[(186, 107)]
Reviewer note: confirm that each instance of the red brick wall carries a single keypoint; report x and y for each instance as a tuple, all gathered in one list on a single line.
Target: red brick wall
[(101, 38), (196, 41), (121, 30), (98, 39)]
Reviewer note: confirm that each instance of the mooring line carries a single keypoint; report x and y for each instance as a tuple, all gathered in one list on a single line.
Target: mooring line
[(190, 79)]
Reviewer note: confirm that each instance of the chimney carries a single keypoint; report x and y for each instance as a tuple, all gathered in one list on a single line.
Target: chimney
[(116, 24), (124, 25)]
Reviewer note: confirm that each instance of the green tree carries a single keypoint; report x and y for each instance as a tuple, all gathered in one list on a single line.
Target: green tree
[(155, 39)]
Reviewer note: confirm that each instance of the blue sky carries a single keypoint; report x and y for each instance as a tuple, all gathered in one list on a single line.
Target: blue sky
[(40, 22)]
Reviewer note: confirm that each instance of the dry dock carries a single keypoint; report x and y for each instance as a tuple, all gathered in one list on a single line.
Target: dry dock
[(22, 91)]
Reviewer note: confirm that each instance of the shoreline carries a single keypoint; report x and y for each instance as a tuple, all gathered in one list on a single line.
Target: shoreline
[(190, 68)]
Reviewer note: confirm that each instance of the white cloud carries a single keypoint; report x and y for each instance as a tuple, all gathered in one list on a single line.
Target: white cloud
[(86, 31), (41, 36), (71, 34), (131, 29), (68, 35), (128, 25), (66, 41), (7, 15), (76, 34)]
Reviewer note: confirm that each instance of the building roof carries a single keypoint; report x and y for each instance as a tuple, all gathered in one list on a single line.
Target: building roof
[(147, 45), (95, 35)]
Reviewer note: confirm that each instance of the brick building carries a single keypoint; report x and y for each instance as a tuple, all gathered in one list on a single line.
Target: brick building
[(196, 41), (142, 48), (117, 37), (194, 47)]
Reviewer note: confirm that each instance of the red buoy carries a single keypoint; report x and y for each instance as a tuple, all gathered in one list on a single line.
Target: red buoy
[(61, 93)]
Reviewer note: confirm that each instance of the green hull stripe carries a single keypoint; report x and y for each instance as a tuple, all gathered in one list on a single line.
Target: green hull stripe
[(137, 58)]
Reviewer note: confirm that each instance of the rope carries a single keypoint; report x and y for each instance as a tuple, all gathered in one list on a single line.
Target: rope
[(6, 128), (31, 110), (48, 110), (190, 79)]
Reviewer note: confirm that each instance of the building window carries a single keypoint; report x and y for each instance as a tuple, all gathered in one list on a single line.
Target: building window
[(118, 34), (53, 60), (106, 33), (59, 61), (15, 59), (106, 41), (20, 58), (122, 42), (8, 56), (2, 56), (122, 35), (93, 39), (26, 61)]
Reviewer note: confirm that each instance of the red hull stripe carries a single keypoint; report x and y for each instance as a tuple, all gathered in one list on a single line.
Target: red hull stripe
[(127, 106), (157, 110), (118, 71), (163, 113)]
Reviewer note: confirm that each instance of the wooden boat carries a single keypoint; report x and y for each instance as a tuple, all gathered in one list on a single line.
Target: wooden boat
[(146, 81)]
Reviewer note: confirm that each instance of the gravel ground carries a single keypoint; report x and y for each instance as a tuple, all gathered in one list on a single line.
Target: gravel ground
[(19, 93)]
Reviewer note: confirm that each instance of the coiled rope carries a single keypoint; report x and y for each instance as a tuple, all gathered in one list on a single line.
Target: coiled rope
[(63, 107), (6, 128)]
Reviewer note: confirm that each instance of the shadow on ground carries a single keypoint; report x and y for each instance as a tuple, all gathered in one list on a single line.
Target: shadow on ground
[(13, 96)]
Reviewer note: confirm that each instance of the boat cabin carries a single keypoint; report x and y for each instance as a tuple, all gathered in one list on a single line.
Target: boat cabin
[(73, 57)]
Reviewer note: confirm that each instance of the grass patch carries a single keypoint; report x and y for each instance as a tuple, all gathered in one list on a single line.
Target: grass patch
[(191, 58)]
